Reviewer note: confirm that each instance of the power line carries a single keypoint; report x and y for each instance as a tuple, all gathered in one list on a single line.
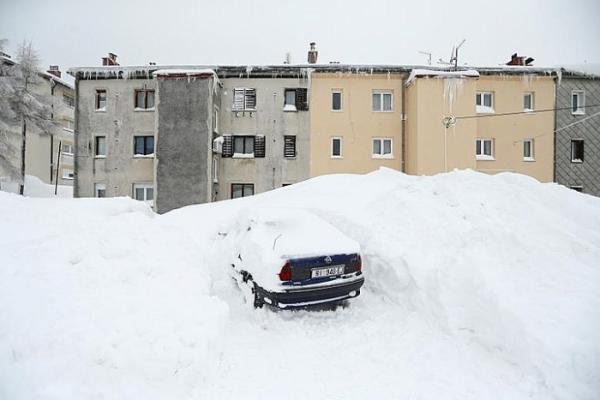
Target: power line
[(521, 112)]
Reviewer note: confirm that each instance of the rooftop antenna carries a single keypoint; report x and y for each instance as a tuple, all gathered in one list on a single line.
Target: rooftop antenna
[(453, 56), (428, 56)]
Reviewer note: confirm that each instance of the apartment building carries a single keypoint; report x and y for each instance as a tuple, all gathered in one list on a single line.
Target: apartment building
[(175, 135), (49, 155), (179, 136), (356, 119), (577, 163)]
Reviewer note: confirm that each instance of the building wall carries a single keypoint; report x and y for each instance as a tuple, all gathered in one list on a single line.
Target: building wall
[(509, 132), (357, 124), (120, 169), (586, 174), (184, 139), (430, 147), (273, 122)]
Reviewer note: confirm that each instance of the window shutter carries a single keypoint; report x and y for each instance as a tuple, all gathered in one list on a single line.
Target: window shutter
[(259, 146), (238, 99), (250, 99), (289, 146), (302, 99), (227, 146)]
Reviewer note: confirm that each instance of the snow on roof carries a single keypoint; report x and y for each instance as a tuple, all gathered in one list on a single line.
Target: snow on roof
[(418, 73), (184, 72), (56, 79)]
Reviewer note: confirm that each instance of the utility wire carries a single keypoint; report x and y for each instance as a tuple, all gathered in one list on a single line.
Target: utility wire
[(521, 112)]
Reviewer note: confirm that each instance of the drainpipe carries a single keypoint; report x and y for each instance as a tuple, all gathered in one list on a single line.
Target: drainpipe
[(403, 125)]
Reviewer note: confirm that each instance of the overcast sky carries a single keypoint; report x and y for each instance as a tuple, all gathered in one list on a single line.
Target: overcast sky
[(78, 33)]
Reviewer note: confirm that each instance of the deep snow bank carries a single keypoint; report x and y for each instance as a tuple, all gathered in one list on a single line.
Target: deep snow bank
[(477, 287)]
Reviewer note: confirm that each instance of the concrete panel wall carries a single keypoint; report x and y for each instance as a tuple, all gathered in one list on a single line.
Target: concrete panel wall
[(120, 122), (587, 173), (273, 122), (184, 154)]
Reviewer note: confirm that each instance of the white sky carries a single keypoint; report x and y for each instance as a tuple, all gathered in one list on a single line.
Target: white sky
[(78, 33)]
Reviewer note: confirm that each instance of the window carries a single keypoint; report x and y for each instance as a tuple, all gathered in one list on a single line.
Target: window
[(528, 150), (243, 145), (577, 150), (382, 148), (382, 101), (336, 100), (68, 174), (68, 124), (100, 190), (100, 146), (244, 99), (484, 102), (528, 102), (336, 147), (577, 188), (241, 190), (67, 149), (68, 100), (144, 99), (289, 146), (295, 99), (484, 149), (143, 192), (143, 145), (578, 102), (100, 100)]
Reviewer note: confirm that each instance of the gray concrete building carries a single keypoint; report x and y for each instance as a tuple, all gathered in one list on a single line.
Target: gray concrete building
[(577, 136), (175, 136)]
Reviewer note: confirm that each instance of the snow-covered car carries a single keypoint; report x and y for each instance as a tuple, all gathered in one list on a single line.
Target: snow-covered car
[(290, 258)]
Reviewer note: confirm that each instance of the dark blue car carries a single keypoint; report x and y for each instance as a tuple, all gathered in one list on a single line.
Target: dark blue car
[(290, 258)]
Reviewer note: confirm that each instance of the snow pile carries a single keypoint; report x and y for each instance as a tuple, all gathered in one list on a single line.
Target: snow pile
[(35, 187), (476, 287), (435, 73)]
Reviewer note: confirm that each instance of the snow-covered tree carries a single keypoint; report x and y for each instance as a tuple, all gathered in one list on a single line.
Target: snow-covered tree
[(24, 109)]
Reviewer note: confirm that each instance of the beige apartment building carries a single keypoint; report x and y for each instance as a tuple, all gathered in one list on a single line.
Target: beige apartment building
[(425, 122), (355, 122)]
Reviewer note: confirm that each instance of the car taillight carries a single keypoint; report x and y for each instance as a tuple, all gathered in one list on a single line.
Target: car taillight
[(359, 264), (286, 272)]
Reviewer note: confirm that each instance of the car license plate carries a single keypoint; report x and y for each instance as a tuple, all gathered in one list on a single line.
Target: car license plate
[(327, 271)]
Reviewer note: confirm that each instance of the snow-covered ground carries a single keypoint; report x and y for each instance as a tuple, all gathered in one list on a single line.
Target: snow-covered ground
[(477, 287)]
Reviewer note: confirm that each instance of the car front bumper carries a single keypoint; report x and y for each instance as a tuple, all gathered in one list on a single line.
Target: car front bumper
[(307, 296)]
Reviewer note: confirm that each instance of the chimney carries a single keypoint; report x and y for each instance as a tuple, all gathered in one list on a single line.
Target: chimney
[(520, 60), (312, 53), (53, 69), (110, 60)]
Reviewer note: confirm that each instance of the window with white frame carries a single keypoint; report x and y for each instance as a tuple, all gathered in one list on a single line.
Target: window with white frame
[(528, 150), (528, 101), (100, 146), (68, 174), (244, 99), (484, 102), (484, 149), (336, 100), (100, 190), (383, 101), (241, 190), (67, 149), (336, 147), (577, 150), (578, 102), (143, 192), (382, 148), (243, 145)]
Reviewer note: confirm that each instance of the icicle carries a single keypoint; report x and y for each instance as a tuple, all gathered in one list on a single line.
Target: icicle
[(452, 89)]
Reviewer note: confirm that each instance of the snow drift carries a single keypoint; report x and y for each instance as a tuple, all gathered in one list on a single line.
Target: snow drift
[(476, 287)]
